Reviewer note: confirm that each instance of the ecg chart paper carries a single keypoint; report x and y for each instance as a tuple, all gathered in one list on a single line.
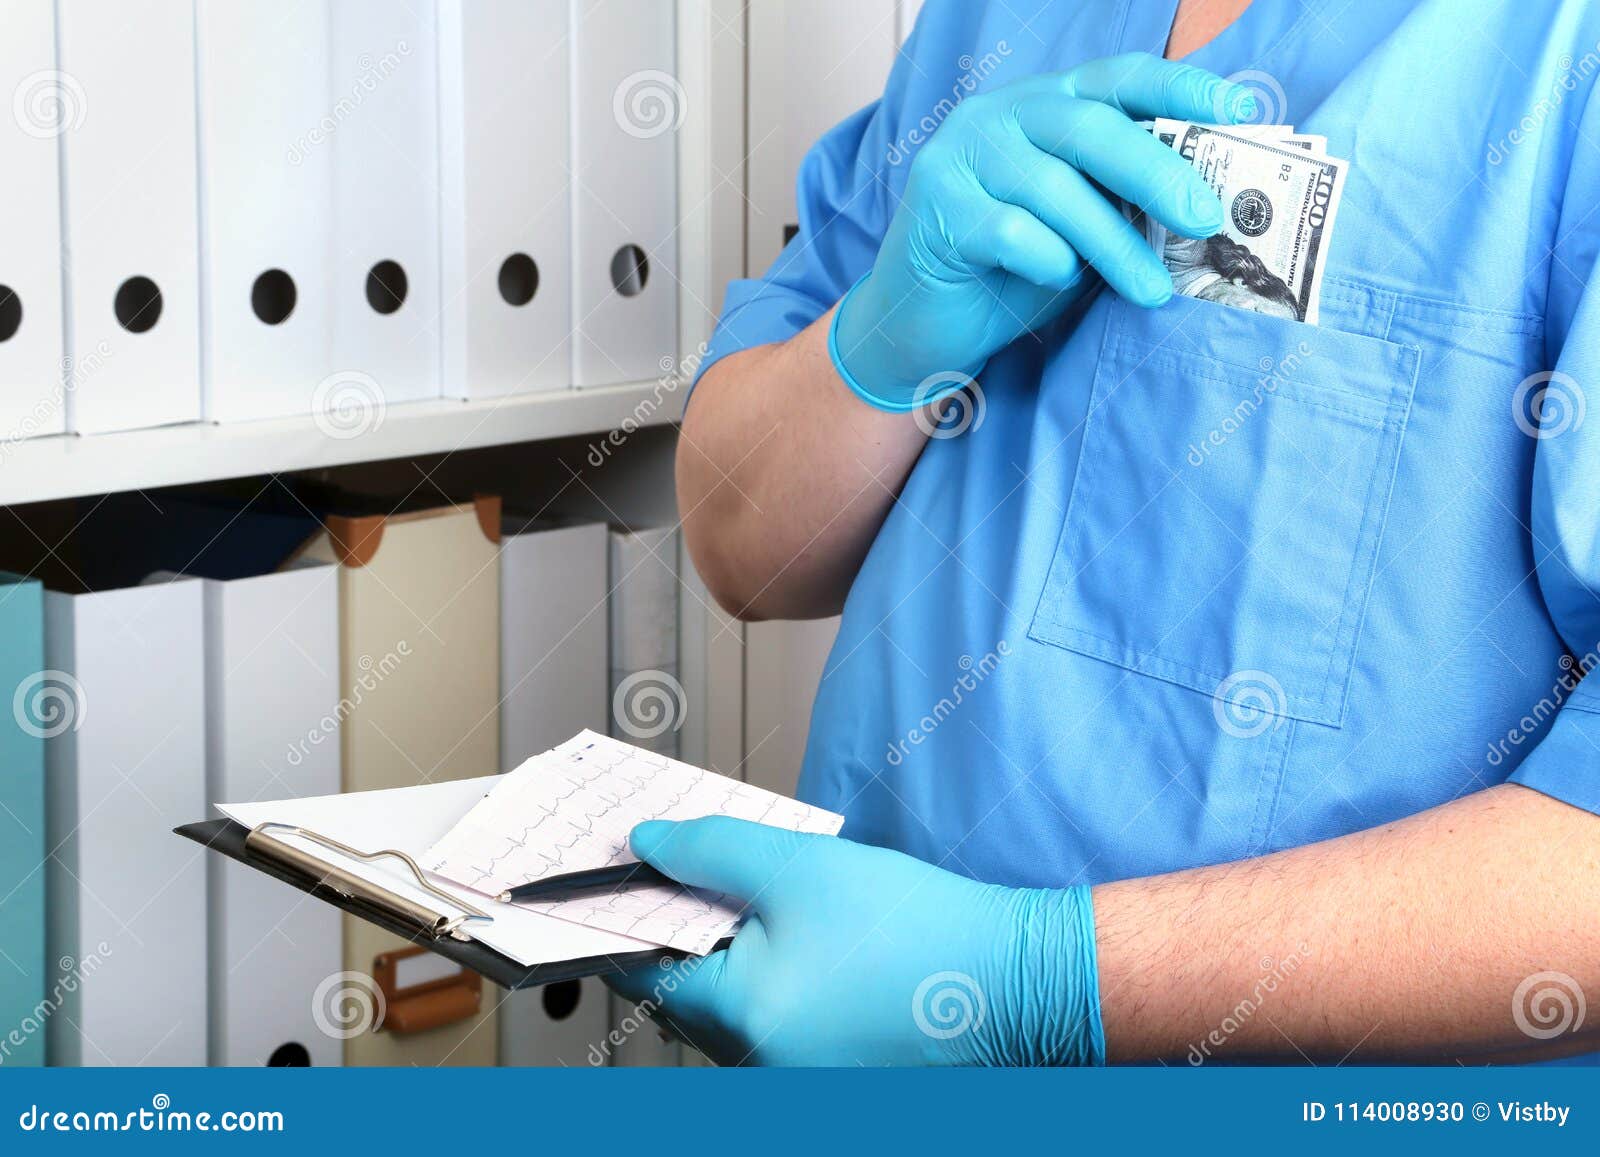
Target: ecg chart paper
[(571, 809)]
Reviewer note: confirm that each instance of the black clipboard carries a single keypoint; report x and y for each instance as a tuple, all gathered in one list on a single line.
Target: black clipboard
[(228, 837)]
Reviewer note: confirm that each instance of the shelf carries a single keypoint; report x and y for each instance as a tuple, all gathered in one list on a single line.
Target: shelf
[(42, 469)]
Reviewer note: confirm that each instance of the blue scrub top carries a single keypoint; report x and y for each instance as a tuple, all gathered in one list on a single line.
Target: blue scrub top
[(1196, 584)]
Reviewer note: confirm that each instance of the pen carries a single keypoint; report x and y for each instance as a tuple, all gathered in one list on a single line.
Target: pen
[(612, 877)]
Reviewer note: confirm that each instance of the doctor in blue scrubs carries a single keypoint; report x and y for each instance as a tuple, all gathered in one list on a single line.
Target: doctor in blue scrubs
[(1210, 684)]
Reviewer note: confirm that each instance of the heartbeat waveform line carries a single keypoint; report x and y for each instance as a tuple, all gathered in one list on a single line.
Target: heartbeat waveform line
[(574, 808)]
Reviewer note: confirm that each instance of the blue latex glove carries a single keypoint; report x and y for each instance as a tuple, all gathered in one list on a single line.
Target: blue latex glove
[(1001, 220), (851, 955)]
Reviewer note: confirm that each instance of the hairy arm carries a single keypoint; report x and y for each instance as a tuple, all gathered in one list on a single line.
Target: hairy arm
[(784, 478), (1407, 941)]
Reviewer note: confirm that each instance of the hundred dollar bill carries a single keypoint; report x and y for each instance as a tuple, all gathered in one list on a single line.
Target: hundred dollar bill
[(1166, 131), (1280, 203)]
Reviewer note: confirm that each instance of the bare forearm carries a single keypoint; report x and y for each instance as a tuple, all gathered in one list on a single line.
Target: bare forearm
[(1408, 940), (784, 478)]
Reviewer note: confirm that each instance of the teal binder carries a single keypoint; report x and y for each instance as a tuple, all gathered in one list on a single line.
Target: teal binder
[(38, 704)]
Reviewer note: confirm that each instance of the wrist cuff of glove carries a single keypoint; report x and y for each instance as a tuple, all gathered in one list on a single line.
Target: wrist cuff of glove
[(1050, 1010), (1083, 1036), (888, 396)]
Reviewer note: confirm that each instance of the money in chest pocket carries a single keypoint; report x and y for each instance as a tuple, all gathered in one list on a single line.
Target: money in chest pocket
[(1280, 195)]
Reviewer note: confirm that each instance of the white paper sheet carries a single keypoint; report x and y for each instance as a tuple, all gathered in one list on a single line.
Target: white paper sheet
[(571, 809), (409, 819)]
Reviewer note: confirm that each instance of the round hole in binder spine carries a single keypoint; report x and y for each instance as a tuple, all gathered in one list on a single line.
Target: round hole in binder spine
[(292, 1055), (137, 305), (561, 998), (10, 313), (272, 297), (630, 270), (387, 286), (519, 279)]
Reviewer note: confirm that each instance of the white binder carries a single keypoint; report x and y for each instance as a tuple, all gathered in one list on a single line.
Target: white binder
[(562, 1024), (906, 14), (644, 598), (637, 1042), (839, 52), (553, 628), (385, 290), (127, 898), (128, 229), (505, 200), (432, 694), (646, 699), (553, 619), (268, 132), (627, 107), (32, 397), (272, 695)]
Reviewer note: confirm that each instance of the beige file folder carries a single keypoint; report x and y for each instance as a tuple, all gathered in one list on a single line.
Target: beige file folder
[(419, 601)]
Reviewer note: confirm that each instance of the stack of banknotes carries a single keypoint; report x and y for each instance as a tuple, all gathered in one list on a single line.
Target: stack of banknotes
[(1280, 195)]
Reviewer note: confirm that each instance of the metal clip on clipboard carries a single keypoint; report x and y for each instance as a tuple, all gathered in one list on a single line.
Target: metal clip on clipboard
[(428, 921)]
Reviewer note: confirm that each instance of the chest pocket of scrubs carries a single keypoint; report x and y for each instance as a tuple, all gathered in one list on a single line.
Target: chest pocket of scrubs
[(1230, 497)]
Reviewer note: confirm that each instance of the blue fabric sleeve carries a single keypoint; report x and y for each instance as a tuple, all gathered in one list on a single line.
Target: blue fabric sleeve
[(1566, 764), (844, 204), (1565, 513)]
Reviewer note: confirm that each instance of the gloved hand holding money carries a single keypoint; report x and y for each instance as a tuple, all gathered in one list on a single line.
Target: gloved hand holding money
[(1280, 195)]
